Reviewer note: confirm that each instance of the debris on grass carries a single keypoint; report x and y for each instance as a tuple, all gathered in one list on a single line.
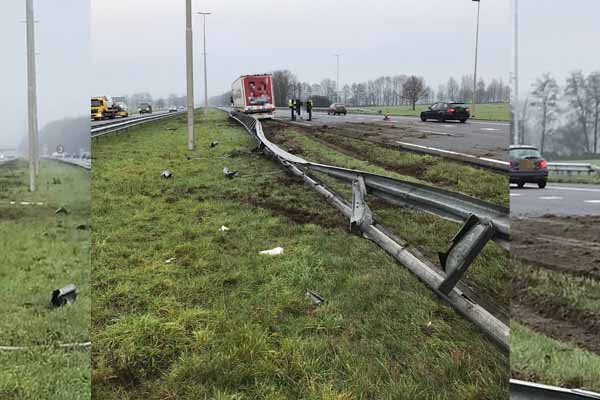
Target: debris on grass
[(61, 210), (166, 174), (229, 174), (170, 260), (64, 296), (214, 144), (318, 300), (223, 228), (273, 252), (83, 227)]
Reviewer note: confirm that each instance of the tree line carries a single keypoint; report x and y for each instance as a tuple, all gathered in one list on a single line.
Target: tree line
[(562, 120), (160, 103), (384, 91)]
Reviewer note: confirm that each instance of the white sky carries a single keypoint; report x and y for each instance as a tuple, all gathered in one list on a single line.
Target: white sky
[(63, 64), (558, 37), (139, 45)]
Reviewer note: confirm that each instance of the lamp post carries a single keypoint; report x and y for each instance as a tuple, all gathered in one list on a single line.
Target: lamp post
[(33, 146), (474, 101), (189, 73), (516, 139), (204, 14), (337, 82)]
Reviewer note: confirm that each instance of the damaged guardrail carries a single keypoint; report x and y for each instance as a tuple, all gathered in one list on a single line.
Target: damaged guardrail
[(83, 163), (105, 129), (523, 390), (483, 221)]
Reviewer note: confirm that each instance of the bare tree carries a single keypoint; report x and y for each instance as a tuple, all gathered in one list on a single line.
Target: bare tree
[(452, 89), (545, 91), (284, 85), (593, 89), (414, 89), (577, 94)]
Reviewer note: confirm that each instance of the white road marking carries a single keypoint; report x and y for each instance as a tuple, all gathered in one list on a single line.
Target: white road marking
[(489, 129), (515, 194), (592, 201), (575, 189), (550, 198), (439, 133)]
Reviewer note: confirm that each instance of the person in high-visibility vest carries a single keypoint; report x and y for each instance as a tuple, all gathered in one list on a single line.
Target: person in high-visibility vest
[(309, 109), (298, 107), (292, 106)]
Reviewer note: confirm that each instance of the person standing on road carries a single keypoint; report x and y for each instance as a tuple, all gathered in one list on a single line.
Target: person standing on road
[(309, 109), (292, 106), (298, 107)]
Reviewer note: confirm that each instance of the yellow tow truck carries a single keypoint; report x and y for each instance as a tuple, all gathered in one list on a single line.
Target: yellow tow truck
[(102, 107)]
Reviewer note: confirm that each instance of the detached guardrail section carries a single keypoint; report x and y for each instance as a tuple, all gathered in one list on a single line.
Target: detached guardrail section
[(79, 162), (482, 222), (105, 129), (573, 168), (523, 390)]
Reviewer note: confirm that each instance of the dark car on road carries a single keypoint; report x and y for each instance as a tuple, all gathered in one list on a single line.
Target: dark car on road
[(145, 108), (526, 165), (447, 112), (337, 109)]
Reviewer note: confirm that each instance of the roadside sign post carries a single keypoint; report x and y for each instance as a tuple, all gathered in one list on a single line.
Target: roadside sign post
[(474, 101), (190, 73)]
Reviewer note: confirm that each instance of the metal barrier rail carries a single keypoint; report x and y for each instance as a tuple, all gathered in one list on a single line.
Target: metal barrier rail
[(85, 164), (569, 168), (523, 390), (120, 125), (466, 245)]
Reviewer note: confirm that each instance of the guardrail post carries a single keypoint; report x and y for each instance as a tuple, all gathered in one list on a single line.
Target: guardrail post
[(466, 245), (361, 213)]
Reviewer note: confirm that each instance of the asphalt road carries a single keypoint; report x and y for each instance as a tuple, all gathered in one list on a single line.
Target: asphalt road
[(112, 121), (556, 199), (479, 138)]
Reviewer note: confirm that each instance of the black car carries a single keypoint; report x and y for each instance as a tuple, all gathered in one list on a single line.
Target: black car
[(145, 108), (447, 112), (526, 165)]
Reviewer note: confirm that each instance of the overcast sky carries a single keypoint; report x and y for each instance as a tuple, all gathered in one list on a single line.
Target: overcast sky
[(139, 45), (63, 64), (558, 38)]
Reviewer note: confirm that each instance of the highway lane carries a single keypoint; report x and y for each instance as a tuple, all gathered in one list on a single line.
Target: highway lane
[(134, 116), (479, 138), (556, 199)]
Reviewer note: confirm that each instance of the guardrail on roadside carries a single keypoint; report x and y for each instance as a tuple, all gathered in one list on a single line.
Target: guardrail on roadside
[(523, 390), (105, 129), (573, 168), (78, 162), (483, 221)]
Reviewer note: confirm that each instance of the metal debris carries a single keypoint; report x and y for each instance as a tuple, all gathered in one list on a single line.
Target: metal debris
[(64, 296), (229, 174), (214, 144), (223, 228), (318, 300), (273, 252), (170, 260), (166, 174), (61, 210)]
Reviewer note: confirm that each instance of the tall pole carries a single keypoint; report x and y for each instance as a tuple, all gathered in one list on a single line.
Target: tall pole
[(31, 96), (204, 14), (190, 73), (516, 127), (337, 82), (474, 101)]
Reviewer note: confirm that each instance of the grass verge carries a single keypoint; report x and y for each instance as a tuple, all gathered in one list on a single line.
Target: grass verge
[(222, 321), (43, 251)]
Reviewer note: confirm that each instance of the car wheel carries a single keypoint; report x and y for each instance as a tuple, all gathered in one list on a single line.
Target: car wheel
[(520, 185), (423, 117), (443, 119), (462, 121), (344, 113), (542, 185)]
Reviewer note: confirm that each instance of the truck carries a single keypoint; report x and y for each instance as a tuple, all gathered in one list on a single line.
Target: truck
[(253, 94), (103, 107)]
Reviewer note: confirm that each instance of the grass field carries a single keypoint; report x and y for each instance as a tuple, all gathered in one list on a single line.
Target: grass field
[(493, 112), (221, 321), (43, 251)]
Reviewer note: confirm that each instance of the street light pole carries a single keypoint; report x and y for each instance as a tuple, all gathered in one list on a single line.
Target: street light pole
[(337, 82), (190, 73), (474, 101), (516, 127), (33, 146), (204, 14)]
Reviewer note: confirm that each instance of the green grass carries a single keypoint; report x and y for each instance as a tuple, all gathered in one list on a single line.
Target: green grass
[(493, 112), (575, 178), (223, 322), (43, 251), (538, 358)]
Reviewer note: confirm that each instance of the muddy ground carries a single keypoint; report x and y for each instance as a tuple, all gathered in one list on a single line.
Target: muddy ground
[(570, 246)]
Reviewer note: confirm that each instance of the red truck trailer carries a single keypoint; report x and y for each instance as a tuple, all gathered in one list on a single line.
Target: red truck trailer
[(253, 94)]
